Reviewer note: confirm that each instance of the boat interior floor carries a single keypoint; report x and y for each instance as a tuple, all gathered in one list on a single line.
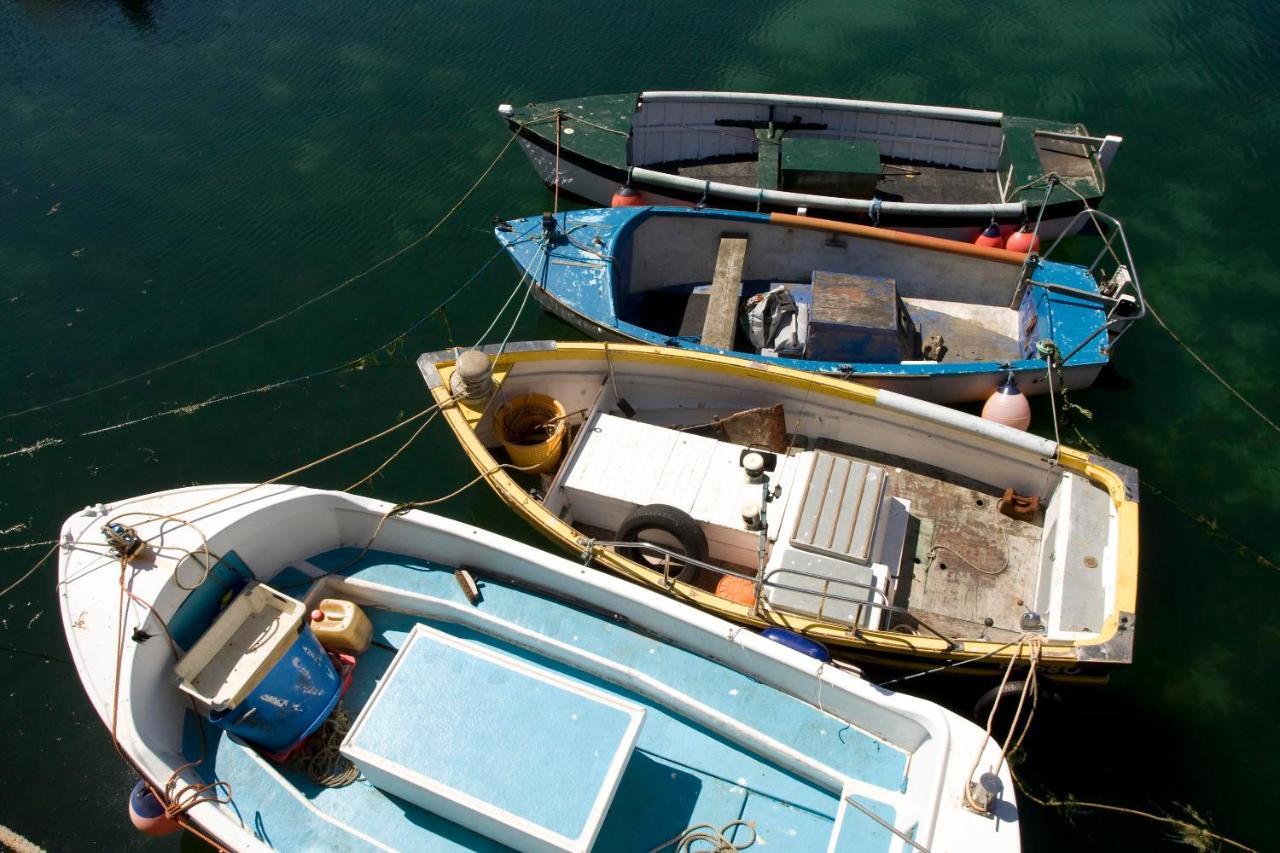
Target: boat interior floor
[(899, 180), (904, 180), (970, 332), (680, 773), (964, 561), (1068, 159)]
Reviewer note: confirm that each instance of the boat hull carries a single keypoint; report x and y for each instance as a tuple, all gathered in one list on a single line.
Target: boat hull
[(1088, 661), (598, 269), (970, 387), (595, 183), (704, 687)]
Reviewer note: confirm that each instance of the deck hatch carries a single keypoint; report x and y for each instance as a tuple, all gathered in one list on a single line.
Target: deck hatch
[(461, 730), (841, 508)]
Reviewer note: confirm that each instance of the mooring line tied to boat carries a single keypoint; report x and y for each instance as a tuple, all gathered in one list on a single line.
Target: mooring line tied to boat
[(412, 244), (351, 363), (1055, 180), (980, 793)]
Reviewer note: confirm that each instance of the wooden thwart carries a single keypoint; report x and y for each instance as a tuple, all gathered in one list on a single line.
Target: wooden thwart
[(726, 289)]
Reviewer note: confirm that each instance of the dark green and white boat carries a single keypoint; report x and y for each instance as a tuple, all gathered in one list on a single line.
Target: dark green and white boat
[(945, 171)]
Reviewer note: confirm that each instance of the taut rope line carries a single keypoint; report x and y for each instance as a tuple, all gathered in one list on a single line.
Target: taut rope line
[(290, 312), (192, 408)]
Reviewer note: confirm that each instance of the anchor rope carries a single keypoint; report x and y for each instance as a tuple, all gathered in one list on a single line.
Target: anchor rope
[(1215, 374), (1059, 414), (1177, 339), (1028, 686), (429, 413), (1194, 832), (26, 546), (29, 572), (295, 309), (1208, 524), (352, 363)]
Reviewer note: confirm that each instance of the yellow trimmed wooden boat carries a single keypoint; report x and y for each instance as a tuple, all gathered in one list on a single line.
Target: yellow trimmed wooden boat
[(890, 530)]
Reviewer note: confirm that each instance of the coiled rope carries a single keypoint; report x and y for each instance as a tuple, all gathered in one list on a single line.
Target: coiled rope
[(321, 759), (709, 834)]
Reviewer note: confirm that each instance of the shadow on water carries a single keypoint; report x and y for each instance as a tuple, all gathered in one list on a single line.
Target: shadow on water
[(139, 13)]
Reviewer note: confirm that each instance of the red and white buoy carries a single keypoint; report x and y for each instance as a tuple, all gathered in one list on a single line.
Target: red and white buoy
[(1008, 405), (147, 812), (991, 237), (626, 197), (1023, 241)]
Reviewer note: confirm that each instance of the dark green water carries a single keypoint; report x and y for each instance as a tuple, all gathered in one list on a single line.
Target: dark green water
[(174, 173)]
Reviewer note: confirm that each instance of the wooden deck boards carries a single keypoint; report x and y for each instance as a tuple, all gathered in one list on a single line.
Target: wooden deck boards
[(944, 591), (899, 181)]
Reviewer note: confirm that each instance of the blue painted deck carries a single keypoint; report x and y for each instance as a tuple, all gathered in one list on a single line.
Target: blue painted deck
[(565, 740), (583, 275), (679, 774)]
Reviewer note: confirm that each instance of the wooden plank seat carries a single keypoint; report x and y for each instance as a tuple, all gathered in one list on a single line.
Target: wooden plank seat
[(726, 290)]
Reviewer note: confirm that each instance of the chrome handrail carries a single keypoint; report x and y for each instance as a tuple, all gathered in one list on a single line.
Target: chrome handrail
[(761, 581)]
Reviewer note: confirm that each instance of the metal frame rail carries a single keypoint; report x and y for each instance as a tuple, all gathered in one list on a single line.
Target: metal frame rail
[(762, 581)]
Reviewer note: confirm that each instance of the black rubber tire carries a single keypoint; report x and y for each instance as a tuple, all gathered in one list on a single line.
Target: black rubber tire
[(678, 525), (1008, 701)]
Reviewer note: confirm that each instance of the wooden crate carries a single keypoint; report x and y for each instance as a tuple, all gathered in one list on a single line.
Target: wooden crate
[(857, 318)]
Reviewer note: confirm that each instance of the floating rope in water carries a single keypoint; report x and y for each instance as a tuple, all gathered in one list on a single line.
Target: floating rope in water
[(11, 840), (290, 312), (191, 408)]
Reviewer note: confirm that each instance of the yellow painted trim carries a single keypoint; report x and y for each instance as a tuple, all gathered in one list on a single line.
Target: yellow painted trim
[(464, 419), (1126, 599)]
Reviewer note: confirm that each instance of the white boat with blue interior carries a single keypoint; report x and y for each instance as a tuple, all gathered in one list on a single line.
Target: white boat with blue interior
[(496, 697)]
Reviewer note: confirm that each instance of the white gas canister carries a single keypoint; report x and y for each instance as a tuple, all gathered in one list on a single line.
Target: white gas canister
[(342, 626)]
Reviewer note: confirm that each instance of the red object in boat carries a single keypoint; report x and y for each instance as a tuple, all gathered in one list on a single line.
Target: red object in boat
[(147, 813)]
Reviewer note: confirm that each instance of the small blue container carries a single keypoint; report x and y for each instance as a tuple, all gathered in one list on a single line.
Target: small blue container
[(291, 701)]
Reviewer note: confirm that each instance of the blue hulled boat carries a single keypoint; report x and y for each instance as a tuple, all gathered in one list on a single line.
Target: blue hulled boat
[(932, 318)]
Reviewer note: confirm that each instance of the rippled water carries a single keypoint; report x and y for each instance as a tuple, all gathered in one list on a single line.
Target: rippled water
[(172, 174)]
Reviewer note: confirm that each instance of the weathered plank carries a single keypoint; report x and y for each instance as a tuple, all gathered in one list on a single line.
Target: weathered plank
[(726, 289)]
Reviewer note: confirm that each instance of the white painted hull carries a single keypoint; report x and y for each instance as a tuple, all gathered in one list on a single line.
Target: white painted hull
[(270, 527)]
